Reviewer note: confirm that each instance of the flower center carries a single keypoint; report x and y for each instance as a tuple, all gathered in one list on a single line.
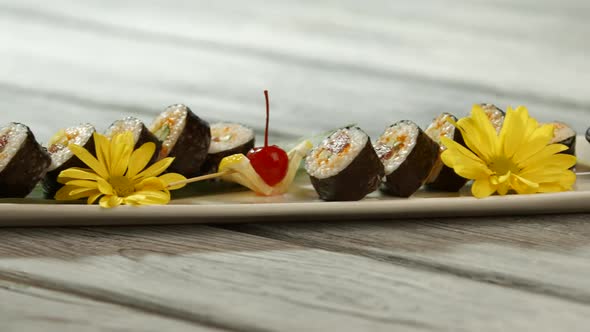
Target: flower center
[(122, 186), (502, 166)]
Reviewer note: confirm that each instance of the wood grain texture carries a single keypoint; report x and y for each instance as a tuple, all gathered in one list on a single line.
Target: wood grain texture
[(541, 254), (327, 64), (248, 283), (31, 309)]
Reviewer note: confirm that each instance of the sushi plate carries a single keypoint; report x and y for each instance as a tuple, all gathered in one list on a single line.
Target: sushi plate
[(197, 205)]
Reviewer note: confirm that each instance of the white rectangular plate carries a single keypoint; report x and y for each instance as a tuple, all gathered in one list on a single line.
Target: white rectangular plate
[(301, 204)]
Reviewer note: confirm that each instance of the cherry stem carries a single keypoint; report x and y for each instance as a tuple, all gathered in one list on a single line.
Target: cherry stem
[(267, 116)]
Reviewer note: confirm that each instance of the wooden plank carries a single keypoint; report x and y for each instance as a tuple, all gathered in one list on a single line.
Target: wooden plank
[(244, 282), (27, 308), (506, 48), (110, 66), (542, 254)]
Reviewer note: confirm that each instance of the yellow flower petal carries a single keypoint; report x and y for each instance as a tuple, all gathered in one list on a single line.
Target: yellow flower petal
[(540, 156), (92, 198), (480, 127), (120, 154), (503, 188), (83, 183), (149, 198), (552, 163), (171, 178), (152, 183), (155, 170), (89, 160), (63, 194), (105, 187), (463, 161), (140, 158), (110, 201), (513, 131), (457, 150), (82, 192), (536, 142), (473, 139), (78, 173), (522, 185), (482, 188), (103, 150), (550, 188)]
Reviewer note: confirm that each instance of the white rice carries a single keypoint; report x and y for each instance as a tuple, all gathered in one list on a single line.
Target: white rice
[(131, 124), (395, 144), (441, 127), (335, 152), (227, 136), (12, 137), (175, 118), (561, 132), (58, 146), (495, 115)]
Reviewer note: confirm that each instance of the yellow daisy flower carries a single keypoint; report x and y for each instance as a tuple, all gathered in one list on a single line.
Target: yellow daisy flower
[(520, 158), (117, 176)]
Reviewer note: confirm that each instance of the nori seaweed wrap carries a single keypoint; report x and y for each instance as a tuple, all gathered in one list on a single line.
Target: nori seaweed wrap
[(227, 139), (23, 161), (442, 177), (564, 134), (344, 166), (408, 155), (141, 134), (184, 136), (62, 157)]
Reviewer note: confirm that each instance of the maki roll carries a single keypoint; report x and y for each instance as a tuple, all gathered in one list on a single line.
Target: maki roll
[(184, 136), (344, 166), (564, 134), (23, 161), (443, 177), (495, 115), (227, 139), (408, 155), (141, 134), (62, 157)]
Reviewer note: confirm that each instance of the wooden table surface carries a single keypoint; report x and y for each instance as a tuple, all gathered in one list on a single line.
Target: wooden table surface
[(327, 63)]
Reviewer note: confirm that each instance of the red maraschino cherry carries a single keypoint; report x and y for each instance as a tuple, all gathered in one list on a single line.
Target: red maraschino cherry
[(270, 162)]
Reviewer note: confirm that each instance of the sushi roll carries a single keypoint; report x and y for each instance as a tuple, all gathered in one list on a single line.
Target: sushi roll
[(588, 135), (184, 136), (62, 157), (227, 139), (564, 134), (495, 115), (408, 155), (344, 166), (23, 161), (141, 134), (443, 177)]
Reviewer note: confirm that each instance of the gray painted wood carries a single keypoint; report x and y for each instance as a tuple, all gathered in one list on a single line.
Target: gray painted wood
[(542, 254), (327, 63), (326, 66), (249, 283), (32, 309)]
